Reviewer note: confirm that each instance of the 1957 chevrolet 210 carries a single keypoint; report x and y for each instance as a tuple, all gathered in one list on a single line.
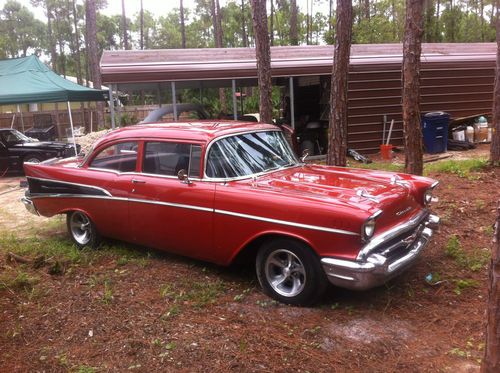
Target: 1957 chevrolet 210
[(219, 191)]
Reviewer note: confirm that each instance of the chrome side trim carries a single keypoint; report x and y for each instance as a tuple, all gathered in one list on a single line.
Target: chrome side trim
[(199, 208), (377, 240), (170, 204), (285, 222), (76, 184)]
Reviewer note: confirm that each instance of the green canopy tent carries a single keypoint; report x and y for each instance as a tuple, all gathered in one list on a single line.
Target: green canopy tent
[(28, 80)]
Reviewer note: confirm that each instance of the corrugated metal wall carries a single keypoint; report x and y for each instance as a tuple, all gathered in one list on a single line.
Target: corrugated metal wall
[(461, 89)]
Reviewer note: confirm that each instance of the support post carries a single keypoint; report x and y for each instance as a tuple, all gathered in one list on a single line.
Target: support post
[(21, 115), (158, 94), (111, 107), (174, 100), (292, 103), (72, 129), (118, 109), (235, 109)]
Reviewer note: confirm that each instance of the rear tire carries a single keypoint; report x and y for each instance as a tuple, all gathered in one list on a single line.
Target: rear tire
[(32, 158), (290, 272), (82, 230)]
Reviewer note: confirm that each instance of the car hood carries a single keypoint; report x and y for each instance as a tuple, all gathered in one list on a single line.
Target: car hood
[(366, 190), (43, 145)]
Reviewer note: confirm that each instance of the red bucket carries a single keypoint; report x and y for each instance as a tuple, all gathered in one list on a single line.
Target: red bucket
[(386, 151)]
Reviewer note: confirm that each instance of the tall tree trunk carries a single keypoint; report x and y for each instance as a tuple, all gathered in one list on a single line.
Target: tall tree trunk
[(53, 53), (495, 144), (263, 56), (183, 26), (294, 35), (481, 11), (330, 6), (412, 48), (93, 55), (124, 26), (243, 25), (491, 361), (366, 9), (142, 24), (217, 24), (307, 22), (271, 24), (337, 139), (77, 45)]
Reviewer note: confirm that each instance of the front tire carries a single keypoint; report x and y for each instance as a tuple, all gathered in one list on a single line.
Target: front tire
[(82, 230), (32, 158), (290, 272)]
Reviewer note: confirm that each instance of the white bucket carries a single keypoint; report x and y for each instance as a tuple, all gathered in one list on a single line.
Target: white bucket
[(458, 135)]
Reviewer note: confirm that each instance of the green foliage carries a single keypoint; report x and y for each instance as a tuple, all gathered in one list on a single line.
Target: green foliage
[(462, 168), (473, 261)]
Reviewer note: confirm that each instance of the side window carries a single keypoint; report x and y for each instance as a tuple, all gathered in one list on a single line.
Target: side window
[(168, 158), (120, 157)]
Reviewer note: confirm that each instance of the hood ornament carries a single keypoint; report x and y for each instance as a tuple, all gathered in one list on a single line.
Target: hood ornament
[(364, 194), (397, 180)]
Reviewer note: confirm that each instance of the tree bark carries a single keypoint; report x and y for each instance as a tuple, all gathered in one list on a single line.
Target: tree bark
[(491, 361), (77, 45), (294, 35), (412, 47), (263, 56), (53, 53), (217, 24), (337, 139), (124, 26), (142, 24), (183, 25), (93, 55), (271, 24), (495, 143), (243, 25)]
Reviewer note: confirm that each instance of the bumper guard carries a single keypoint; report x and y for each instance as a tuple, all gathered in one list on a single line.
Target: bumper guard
[(384, 257)]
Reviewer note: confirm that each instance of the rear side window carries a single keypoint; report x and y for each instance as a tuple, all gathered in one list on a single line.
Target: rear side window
[(168, 158), (120, 157)]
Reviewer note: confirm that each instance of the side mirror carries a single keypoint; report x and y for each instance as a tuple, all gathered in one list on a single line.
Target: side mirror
[(305, 154), (183, 177)]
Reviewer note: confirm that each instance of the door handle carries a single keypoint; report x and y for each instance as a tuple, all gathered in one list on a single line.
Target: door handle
[(136, 181)]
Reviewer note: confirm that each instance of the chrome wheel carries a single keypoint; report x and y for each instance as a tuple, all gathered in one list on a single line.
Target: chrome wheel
[(32, 160), (80, 228), (285, 273)]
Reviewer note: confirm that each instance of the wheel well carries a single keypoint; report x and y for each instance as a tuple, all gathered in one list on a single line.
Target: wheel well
[(249, 252)]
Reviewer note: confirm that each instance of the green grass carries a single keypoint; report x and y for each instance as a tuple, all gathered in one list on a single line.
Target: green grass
[(474, 261), (384, 166), (462, 168)]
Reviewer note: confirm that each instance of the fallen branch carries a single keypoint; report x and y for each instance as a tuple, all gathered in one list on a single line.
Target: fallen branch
[(436, 158), (11, 257)]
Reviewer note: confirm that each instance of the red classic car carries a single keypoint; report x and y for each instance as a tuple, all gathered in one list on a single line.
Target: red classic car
[(219, 191)]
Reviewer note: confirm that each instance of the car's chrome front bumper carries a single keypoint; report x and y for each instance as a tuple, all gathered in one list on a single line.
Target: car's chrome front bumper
[(385, 257), (28, 203)]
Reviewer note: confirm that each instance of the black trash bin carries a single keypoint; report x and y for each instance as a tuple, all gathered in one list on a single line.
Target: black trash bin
[(435, 131)]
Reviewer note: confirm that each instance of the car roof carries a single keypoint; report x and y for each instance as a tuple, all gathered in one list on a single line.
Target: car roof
[(198, 131)]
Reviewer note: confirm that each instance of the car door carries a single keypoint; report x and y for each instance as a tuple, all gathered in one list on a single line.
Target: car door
[(168, 213), (4, 158), (112, 168)]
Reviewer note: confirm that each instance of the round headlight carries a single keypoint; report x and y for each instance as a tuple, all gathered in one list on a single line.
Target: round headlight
[(368, 229), (428, 197)]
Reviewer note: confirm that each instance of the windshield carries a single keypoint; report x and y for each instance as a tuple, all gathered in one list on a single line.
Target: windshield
[(14, 136), (249, 154)]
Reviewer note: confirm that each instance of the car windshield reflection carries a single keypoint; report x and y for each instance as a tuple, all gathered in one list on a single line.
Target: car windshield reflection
[(249, 154)]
